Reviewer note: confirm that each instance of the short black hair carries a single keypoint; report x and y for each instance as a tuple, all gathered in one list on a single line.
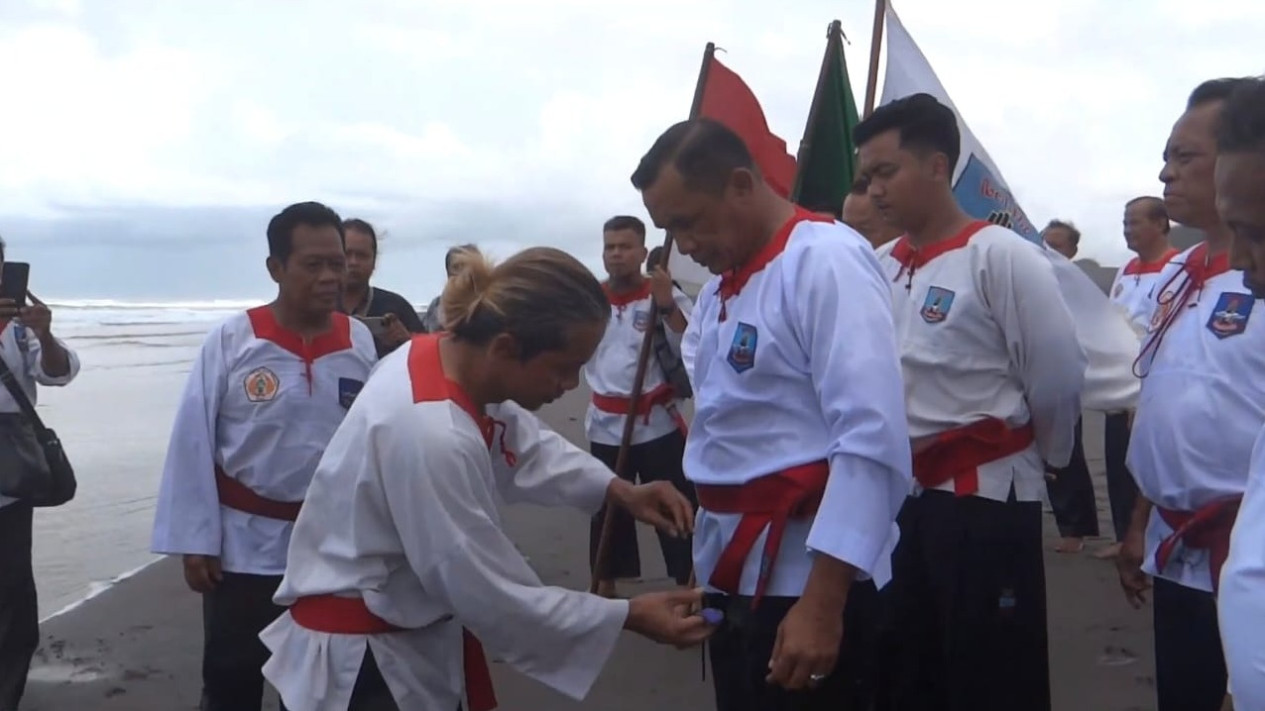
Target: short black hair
[(281, 227), (1213, 90), (1155, 209), (454, 251), (653, 259), (703, 151), (626, 222), (924, 125), (1073, 233), (1242, 124), (362, 227)]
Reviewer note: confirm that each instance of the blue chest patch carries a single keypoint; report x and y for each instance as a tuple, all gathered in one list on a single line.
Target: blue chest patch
[(348, 389), (742, 350), (1230, 315), (935, 308), (641, 320)]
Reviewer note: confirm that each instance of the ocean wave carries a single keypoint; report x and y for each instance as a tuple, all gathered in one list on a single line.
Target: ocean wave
[(121, 305)]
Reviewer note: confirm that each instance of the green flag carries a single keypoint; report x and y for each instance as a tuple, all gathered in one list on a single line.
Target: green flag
[(827, 154)]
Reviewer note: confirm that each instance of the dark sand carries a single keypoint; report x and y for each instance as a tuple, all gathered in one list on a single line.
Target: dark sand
[(136, 647)]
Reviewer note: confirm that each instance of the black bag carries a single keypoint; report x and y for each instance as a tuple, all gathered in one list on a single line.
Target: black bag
[(33, 465)]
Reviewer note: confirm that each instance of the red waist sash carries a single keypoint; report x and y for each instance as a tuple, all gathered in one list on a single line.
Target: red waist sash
[(663, 396), (349, 615), (1207, 528), (770, 501), (956, 454), (239, 497)]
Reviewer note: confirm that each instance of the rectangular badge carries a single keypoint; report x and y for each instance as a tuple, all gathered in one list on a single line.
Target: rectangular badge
[(348, 389)]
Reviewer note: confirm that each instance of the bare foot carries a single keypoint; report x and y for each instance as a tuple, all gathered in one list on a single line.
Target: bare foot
[(1070, 545), (1108, 552)]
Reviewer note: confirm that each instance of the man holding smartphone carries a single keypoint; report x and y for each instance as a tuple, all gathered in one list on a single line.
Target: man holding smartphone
[(35, 357), (390, 317)]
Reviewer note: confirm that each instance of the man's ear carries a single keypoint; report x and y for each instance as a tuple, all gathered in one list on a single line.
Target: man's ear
[(505, 346), (275, 268)]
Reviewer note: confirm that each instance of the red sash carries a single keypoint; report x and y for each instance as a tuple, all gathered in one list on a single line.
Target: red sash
[(770, 501), (955, 455), (1207, 528), (239, 497), (349, 615), (663, 396)]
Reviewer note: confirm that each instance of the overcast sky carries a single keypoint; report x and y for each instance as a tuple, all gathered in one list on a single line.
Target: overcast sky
[(429, 117)]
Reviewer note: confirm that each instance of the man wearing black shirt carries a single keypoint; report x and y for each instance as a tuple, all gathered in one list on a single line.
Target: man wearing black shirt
[(399, 320)]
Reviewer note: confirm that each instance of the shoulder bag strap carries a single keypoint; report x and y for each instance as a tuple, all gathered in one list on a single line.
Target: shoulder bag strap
[(19, 396)]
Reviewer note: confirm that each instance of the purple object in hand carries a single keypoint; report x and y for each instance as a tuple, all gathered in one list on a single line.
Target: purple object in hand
[(712, 616)]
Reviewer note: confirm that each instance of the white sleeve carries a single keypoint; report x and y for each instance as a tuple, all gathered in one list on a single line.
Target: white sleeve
[(685, 305), (187, 513), (35, 362), (534, 464), (1025, 299), (443, 515), (837, 301)]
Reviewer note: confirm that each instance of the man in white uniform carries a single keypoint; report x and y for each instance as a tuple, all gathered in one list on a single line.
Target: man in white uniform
[(658, 440), (1146, 228), (266, 393), (400, 571), (798, 448), (1197, 420), (1240, 184), (993, 374), (35, 357)]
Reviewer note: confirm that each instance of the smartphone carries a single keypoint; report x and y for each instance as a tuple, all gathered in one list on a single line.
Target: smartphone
[(377, 325), (14, 281)]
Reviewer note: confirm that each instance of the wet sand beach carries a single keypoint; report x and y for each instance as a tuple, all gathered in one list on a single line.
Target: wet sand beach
[(136, 646)]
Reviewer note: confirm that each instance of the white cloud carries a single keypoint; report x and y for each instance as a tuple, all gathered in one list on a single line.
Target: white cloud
[(544, 107)]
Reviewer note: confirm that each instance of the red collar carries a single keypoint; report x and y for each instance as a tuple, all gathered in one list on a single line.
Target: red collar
[(264, 324), (619, 300), (1201, 268), (913, 258), (732, 282), (1137, 266), (426, 375)]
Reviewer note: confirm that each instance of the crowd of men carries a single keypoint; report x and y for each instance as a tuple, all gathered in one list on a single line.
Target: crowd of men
[(881, 403)]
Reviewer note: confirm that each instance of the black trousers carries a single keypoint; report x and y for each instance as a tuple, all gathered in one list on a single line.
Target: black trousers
[(370, 692), (656, 460), (1072, 495), (966, 607), (1122, 490), (233, 656), (1190, 672), (19, 607), (741, 648)]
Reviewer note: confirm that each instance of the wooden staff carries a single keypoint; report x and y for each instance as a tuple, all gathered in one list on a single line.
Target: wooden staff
[(643, 361), (876, 43)]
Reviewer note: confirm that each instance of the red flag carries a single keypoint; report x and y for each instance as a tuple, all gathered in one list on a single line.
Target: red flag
[(727, 99)]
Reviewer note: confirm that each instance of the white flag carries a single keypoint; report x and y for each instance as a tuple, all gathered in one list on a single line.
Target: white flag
[(1103, 330)]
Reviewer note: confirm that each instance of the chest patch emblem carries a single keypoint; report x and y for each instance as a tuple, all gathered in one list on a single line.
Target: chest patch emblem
[(262, 385), (1230, 315), (742, 350), (348, 389), (935, 308), (641, 320)]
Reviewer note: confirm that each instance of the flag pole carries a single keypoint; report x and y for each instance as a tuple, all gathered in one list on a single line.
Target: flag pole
[(876, 43), (834, 44), (643, 362)]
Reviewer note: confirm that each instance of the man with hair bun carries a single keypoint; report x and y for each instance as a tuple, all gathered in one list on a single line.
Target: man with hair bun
[(400, 572), (1240, 184), (799, 432)]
